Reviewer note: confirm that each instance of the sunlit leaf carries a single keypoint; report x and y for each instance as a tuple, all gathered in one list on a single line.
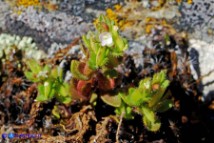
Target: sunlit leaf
[(114, 101), (75, 71), (55, 112)]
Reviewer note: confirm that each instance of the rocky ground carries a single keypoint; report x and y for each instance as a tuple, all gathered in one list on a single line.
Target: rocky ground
[(73, 18), (55, 29)]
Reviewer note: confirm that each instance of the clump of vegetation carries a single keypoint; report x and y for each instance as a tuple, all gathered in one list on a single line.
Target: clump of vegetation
[(103, 51), (95, 76), (50, 82), (147, 99)]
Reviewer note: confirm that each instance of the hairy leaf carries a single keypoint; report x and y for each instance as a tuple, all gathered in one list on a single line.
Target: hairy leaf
[(151, 126), (114, 101), (76, 72), (55, 112), (128, 114), (164, 105)]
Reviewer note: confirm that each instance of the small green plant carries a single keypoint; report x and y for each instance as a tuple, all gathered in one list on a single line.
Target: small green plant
[(105, 45), (147, 99), (102, 50), (50, 82), (95, 75)]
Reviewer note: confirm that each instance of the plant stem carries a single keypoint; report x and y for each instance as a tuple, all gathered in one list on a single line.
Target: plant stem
[(118, 128)]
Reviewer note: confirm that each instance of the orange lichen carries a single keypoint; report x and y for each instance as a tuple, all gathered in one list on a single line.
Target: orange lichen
[(160, 5), (152, 22), (112, 15), (19, 5), (27, 3), (135, 19), (188, 1)]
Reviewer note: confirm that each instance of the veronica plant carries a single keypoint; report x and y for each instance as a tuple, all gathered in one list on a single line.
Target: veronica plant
[(147, 99), (102, 50), (50, 82)]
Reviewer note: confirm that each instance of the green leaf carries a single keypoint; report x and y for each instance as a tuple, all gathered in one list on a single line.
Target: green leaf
[(165, 84), (31, 76), (94, 46), (160, 80), (86, 41), (150, 120), (55, 112), (64, 94), (148, 114), (57, 72), (156, 97), (121, 44), (145, 84), (124, 109), (93, 99), (41, 98), (136, 97), (64, 100), (45, 91), (92, 61), (164, 105), (151, 126), (64, 90), (159, 77), (102, 57), (75, 71), (131, 99), (114, 101), (34, 66)]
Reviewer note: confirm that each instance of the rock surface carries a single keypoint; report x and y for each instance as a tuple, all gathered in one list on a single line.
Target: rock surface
[(198, 20)]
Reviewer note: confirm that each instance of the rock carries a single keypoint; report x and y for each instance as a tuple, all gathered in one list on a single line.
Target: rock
[(206, 58)]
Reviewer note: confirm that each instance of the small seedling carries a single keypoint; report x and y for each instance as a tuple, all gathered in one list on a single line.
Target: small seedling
[(50, 82), (147, 99), (102, 50)]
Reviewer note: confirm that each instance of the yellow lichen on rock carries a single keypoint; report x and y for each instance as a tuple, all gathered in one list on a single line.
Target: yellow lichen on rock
[(27, 3), (188, 1), (19, 5), (136, 19)]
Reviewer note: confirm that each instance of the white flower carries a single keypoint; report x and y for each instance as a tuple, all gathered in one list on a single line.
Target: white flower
[(106, 39), (115, 28), (147, 84), (42, 74), (46, 84)]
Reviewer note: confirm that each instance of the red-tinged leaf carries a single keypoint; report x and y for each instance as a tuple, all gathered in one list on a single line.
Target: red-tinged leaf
[(105, 83), (84, 87)]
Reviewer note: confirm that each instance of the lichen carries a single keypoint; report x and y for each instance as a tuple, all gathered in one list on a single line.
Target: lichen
[(138, 18), (7, 42), (18, 6)]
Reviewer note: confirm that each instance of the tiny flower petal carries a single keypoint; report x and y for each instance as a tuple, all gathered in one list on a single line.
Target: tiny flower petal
[(115, 28), (46, 84), (106, 39)]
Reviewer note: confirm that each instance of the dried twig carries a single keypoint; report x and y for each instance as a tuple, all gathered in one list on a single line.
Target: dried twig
[(118, 128)]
